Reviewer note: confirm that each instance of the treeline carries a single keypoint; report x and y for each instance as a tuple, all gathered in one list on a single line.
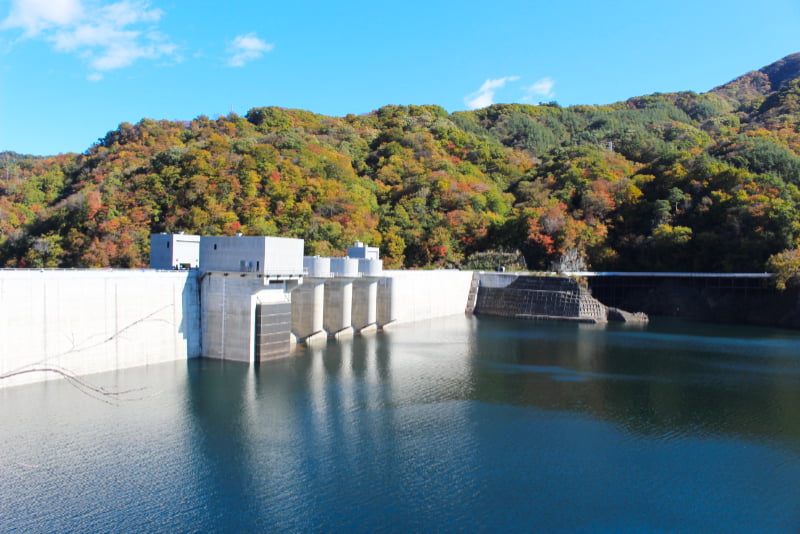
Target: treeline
[(680, 181)]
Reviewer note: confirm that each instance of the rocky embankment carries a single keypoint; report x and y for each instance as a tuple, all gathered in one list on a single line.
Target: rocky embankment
[(552, 298)]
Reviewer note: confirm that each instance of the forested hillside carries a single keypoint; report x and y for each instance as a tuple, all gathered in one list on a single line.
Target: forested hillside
[(674, 181)]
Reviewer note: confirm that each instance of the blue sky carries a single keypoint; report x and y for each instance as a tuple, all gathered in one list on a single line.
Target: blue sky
[(72, 70)]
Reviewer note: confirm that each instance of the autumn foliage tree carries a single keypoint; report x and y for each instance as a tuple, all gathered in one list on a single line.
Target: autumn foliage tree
[(674, 181)]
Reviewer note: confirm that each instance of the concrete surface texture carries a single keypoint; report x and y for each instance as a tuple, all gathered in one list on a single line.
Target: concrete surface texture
[(81, 322), (344, 266), (338, 303), (496, 280), (359, 304), (92, 321), (228, 309), (365, 303), (417, 295), (370, 267), (273, 328), (307, 307)]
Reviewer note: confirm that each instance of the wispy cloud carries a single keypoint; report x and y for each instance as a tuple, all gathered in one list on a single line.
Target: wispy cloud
[(107, 36), (484, 96), (542, 88), (36, 16), (246, 48)]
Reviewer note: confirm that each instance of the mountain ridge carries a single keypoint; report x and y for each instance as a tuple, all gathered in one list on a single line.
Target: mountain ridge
[(762, 82), (667, 181)]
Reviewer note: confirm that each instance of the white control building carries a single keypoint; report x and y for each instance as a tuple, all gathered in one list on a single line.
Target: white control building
[(174, 251)]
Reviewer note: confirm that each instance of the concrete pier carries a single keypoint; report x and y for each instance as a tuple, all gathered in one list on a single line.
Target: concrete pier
[(365, 304), (338, 315), (387, 312), (308, 306)]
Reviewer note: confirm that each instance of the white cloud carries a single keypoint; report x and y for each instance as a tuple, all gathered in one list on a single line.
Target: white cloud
[(35, 16), (484, 96), (540, 89), (245, 48), (107, 36)]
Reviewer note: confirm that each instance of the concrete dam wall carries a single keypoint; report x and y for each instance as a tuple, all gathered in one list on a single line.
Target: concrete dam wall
[(56, 323), (407, 296), (91, 321)]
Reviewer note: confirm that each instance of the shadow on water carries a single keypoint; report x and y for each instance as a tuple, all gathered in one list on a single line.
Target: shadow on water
[(218, 403), (280, 440)]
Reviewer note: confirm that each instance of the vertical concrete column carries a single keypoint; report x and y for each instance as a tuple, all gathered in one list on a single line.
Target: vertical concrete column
[(365, 304), (308, 309), (338, 303), (387, 313), (212, 323)]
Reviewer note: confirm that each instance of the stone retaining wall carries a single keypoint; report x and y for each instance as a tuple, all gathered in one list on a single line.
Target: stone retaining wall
[(538, 297)]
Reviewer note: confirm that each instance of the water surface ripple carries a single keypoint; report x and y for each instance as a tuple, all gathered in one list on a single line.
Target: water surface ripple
[(459, 424)]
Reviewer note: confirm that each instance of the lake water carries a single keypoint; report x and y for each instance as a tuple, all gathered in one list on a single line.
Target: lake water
[(459, 424)]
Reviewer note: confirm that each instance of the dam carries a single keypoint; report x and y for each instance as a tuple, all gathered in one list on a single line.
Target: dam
[(247, 299), (63, 323), (250, 301)]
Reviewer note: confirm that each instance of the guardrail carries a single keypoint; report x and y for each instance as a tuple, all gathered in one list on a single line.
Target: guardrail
[(671, 274)]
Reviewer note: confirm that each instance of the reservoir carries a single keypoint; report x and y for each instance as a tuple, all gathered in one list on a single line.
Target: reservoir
[(457, 424)]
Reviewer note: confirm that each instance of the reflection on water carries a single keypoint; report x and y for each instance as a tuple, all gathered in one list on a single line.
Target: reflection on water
[(456, 424), (644, 379)]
